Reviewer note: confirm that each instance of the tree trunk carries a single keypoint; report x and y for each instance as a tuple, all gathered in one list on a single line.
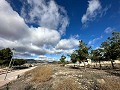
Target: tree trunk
[(96, 64), (112, 63), (74, 64), (84, 65), (63, 65), (79, 64), (100, 64)]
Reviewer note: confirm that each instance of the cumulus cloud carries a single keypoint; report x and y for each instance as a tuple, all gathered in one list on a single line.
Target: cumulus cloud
[(67, 43), (62, 51), (109, 30), (14, 33), (12, 25), (94, 6), (31, 41), (45, 14), (22, 47)]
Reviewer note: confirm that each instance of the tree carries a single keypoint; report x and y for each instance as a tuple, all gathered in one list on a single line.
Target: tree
[(83, 52), (5, 55), (112, 47), (62, 60), (97, 55), (1, 55), (74, 57)]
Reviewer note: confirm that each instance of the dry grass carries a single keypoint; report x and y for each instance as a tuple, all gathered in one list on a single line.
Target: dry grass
[(110, 84), (35, 79), (67, 84), (40, 74), (41, 78)]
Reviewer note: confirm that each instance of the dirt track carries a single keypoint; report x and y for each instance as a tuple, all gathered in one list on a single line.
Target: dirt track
[(12, 75)]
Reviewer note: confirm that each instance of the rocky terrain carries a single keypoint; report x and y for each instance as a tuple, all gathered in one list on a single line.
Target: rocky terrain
[(57, 77)]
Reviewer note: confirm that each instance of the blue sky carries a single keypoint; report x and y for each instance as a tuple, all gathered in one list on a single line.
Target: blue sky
[(53, 27)]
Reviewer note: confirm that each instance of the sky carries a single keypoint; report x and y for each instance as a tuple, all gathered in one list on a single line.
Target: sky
[(51, 28)]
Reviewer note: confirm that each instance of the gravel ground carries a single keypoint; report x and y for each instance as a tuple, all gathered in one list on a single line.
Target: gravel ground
[(85, 80)]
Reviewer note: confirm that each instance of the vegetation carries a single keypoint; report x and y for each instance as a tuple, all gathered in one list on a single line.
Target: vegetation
[(62, 60), (67, 84), (54, 77), (109, 50), (19, 62), (6, 54), (81, 54), (5, 57), (97, 55), (111, 47), (40, 74), (74, 57)]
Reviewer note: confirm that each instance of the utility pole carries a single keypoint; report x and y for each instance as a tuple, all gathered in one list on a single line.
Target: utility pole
[(9, 65)]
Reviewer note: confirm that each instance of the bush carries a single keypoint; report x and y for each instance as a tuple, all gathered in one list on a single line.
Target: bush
[(19, 61)]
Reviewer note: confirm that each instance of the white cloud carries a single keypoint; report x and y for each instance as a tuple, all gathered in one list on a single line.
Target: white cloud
[(45, 14), (21, 47), (67, 43), (92, 42), (12, 25), (30, 41), (42, 56), (109, 30), (94, 6), (14, 33), (104, 11), (75, 36), (40, 36), (62, 51), (70, 51)]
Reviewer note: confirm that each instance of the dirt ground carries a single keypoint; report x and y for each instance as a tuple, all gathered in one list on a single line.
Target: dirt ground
[(69, 78)]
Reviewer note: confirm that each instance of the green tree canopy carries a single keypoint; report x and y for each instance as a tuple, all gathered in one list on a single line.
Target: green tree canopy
[(5, 56), (74, 57), (112, 47), (62, 60), (97, 55), (83, 53)]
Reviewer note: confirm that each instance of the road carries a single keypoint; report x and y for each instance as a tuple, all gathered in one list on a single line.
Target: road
[(12, 75)]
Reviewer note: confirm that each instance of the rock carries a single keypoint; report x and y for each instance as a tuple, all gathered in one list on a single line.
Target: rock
[(101, 81)]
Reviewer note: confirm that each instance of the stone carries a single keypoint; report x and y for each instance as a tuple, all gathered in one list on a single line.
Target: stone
[(101, 81)]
